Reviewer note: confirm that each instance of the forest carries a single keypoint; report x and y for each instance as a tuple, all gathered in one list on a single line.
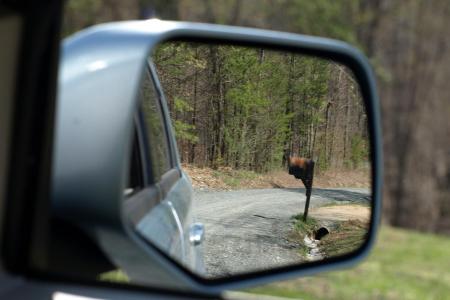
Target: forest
[(407, 45), (249, 108)]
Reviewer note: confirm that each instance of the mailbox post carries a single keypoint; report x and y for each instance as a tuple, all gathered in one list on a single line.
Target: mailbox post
[(308, 182), (303, 169)]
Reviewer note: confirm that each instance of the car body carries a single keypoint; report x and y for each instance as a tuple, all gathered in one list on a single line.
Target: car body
[(88, 147)]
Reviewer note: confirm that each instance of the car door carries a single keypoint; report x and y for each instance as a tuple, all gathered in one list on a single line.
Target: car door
[(180, 194), (161, 210)]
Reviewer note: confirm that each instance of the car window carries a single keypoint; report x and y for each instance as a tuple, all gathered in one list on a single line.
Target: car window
[(155, 133)]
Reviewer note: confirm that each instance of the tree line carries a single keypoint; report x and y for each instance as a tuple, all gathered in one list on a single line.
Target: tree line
[(250, 108)]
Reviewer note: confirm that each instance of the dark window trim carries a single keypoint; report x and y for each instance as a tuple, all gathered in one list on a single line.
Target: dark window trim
[(146, 159), (136, 175)]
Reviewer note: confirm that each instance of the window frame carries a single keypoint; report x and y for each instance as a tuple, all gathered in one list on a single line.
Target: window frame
[(142, 126), (153, 191)]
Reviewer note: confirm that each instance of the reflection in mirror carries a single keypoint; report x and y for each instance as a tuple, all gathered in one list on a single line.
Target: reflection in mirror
[(276, 145)]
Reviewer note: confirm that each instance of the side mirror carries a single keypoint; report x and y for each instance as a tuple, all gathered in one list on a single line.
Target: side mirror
[(274, 104)]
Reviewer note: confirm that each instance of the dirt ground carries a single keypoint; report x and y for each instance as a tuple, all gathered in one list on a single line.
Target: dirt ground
[(229, 179)]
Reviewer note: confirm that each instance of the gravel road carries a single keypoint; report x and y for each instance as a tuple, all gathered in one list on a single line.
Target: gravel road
[(246, 230)]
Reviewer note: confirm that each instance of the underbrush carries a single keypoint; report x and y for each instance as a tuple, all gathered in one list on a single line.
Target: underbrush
[(237, 178), (302, 229), (346, 238)]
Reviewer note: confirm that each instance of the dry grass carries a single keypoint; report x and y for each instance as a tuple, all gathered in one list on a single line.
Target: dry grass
[(329, 179), (226, 178)]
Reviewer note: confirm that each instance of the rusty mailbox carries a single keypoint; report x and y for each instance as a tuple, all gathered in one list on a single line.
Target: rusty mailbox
[(303, 169)]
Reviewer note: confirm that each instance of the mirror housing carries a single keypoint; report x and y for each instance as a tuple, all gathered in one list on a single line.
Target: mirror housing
[(102, 67)]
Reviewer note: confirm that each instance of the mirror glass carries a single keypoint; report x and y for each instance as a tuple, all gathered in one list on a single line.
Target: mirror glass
[(276, 146)]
